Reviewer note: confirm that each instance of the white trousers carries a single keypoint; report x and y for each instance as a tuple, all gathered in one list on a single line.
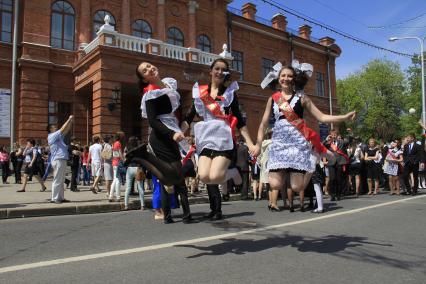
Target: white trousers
[(116, 184), (59, 167)]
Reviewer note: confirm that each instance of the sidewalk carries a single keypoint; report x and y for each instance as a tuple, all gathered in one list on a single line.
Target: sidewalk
[(34, 203)]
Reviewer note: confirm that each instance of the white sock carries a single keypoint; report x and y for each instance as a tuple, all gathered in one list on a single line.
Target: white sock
[(318, 193), (235, 175)]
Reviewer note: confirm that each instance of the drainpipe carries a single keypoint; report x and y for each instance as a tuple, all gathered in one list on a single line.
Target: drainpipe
[(291, 47), (229, 24), (14, 70), (329, 84)]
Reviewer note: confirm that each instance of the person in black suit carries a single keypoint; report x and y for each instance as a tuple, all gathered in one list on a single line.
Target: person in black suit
[(411, 154), (336, 169)]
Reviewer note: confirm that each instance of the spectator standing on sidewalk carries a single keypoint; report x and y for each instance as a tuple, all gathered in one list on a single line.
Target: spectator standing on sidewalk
[(95, 162), (58, 158), (117, 158), (74, 159), (17, 159), (32, 165), (134, 172), (4, 162), (106, 156), (243, 167), (412, 155), (86, 171)]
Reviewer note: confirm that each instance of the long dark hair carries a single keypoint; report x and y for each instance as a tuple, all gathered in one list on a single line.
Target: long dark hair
[(227, 77), (132, 143), (141, 81)]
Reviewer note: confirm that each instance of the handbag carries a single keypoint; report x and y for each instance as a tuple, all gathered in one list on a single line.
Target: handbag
[(121, 169), (140, 175)]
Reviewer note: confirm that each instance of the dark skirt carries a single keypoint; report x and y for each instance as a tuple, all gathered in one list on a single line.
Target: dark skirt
[(355, 169), (34, 170), (213, 153), (373, 170), (164, 148)]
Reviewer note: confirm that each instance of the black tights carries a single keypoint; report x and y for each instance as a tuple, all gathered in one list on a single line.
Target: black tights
[(169, 173)]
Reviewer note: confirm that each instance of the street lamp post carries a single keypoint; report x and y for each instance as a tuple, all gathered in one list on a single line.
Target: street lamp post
[(421, 41)]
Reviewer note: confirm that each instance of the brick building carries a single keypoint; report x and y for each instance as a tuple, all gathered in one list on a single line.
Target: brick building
[(71, 62)]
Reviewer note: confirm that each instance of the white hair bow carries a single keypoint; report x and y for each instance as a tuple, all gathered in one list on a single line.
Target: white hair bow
[(271, 75), (170, 83), (307, 68)]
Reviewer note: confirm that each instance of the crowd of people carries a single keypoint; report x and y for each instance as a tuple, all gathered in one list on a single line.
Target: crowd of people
[(218, 155)]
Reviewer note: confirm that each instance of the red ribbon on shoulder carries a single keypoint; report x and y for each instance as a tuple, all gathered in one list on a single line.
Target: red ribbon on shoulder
[(150, 87), (214, 108), (189, 154), (309, 134)]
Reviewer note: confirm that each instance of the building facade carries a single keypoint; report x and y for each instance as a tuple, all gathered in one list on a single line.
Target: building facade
[(73, 61)]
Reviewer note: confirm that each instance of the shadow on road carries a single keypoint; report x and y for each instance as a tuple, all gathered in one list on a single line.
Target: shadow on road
[(348, 247)]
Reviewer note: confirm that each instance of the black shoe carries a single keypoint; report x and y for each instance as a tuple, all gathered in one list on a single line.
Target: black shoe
[(291, 209), (209, 215), (414, 193), (333, 198), (225, 197), (67, 182), (168, 221), (188, 220), (302, 208), (275, 209), (217, 216), (338, 198)]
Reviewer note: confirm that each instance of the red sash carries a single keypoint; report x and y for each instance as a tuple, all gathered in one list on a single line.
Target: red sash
[(340, 152), (213, 106), (189, 154), (150, 87), (309, 134)]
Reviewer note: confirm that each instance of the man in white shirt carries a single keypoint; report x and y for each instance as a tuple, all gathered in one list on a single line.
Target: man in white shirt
[(95, 161), (59, 157)]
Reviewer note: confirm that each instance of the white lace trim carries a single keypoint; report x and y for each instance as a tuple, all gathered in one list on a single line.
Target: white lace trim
[(278, 113), (289, 149), (228, 96), (170, 91)]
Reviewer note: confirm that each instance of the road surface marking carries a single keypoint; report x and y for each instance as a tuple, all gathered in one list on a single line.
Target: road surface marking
[(193, 241)]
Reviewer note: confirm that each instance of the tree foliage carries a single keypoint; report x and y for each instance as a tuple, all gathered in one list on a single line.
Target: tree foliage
[(382, 95)]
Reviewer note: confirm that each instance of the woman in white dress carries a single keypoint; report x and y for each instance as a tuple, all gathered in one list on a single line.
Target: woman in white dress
[(218, 105), (393, 158), (291, 155)]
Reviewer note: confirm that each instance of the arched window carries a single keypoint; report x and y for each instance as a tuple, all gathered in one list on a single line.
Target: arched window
[(175, 36), (142, 29), (99, 21), (62, 28), (203, 43)]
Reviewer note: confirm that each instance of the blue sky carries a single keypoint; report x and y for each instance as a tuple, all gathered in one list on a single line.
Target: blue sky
[(354, 17)]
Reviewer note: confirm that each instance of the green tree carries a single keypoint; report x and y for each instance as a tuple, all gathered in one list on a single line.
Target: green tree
[(376, 93), (412, 99)]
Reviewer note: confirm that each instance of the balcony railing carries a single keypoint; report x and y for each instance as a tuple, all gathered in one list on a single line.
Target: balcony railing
[(109, 37)]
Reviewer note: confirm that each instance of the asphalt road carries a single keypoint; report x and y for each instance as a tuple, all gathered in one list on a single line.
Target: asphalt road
[(378, 239)]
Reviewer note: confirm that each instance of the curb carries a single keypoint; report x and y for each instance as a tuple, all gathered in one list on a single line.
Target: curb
[(89, 208)]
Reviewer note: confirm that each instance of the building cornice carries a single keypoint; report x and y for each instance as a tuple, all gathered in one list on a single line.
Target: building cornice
[(294, 40)]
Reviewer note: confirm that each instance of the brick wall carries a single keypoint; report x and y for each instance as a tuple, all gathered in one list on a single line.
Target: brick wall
[(52, 74)]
